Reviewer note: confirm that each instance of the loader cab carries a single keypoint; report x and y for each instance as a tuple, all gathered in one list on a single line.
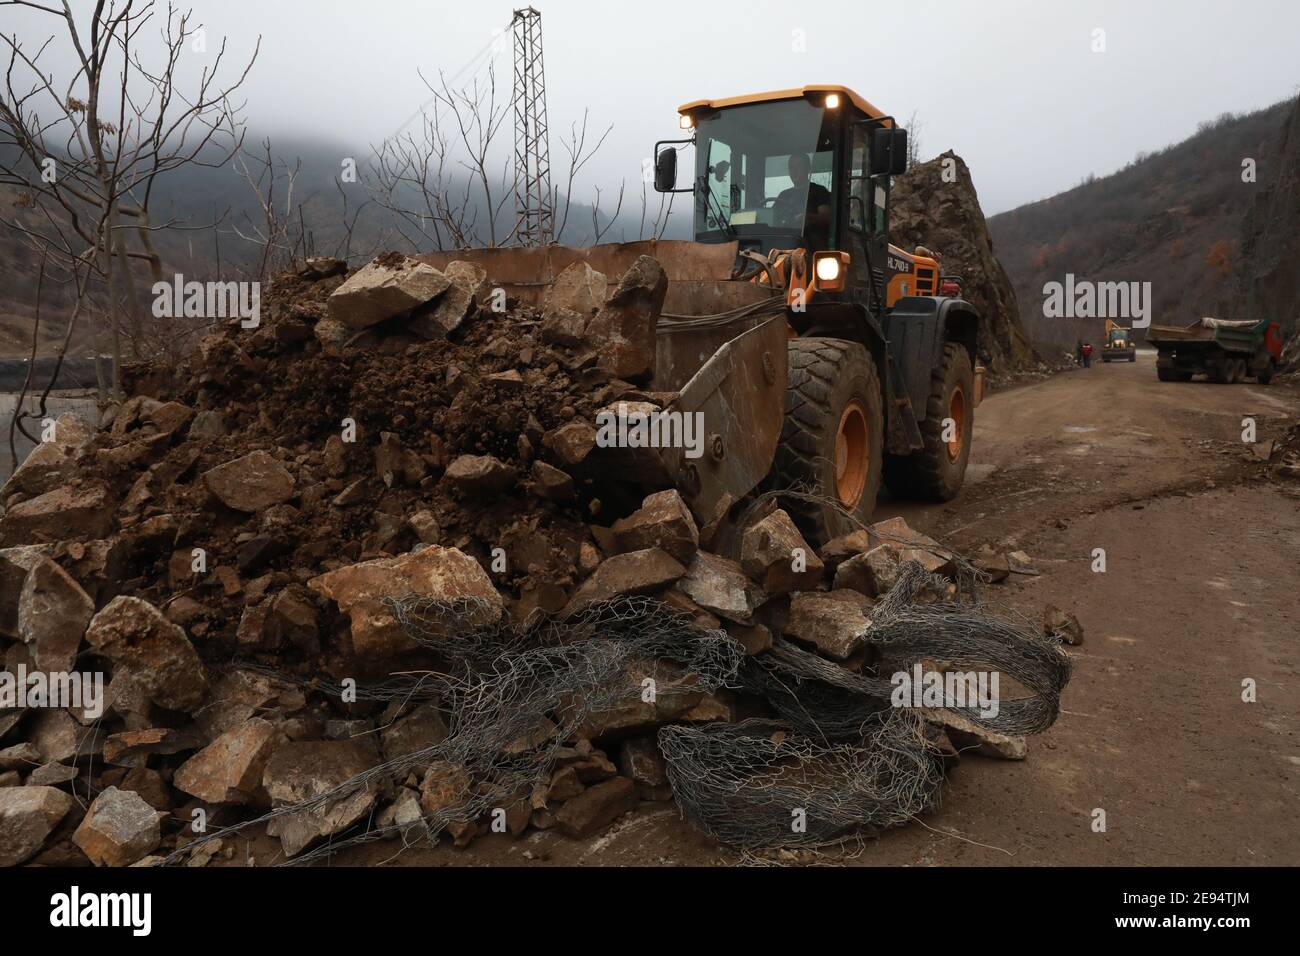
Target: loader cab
[(806, 168), (766, 175)]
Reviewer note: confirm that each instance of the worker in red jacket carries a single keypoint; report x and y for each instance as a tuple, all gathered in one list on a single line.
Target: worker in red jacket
[(1087, 355)]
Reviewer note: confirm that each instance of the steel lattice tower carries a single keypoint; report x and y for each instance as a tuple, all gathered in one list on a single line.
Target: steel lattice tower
[(532, 140)]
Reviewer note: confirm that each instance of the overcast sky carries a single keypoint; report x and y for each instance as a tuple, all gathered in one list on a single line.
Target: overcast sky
[(1013, 86)]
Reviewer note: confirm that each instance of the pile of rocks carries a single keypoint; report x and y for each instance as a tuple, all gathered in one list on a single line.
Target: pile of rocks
[(400, 431)]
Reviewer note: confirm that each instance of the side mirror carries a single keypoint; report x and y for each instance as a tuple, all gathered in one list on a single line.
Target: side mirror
[(898, 153), (888, 152), (666, 171)]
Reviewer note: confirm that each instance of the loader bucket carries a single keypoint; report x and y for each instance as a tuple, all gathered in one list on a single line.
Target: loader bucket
[(720, 358)]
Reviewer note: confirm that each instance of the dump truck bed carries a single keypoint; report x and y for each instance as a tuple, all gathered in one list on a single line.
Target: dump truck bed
[(1231, 336)]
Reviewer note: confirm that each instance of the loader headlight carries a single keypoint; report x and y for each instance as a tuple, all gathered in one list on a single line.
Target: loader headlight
[(832, 101), (828, 269), (686, 121)]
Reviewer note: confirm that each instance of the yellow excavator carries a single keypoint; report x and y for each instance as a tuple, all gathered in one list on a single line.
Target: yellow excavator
[(824, 359)]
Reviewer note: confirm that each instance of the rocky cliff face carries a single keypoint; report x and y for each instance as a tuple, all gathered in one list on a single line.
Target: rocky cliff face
[(1269, 266), (945, 217)]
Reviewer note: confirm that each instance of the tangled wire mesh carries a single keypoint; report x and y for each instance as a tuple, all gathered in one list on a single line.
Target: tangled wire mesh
[(759, 785), (840, 760), (515, 694)]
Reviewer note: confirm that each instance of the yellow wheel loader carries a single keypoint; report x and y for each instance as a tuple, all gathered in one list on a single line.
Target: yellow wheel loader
[(822, 358), (1118, 345)]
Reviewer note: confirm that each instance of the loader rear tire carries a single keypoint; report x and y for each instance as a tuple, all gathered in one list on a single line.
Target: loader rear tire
[(832, 437), (936, 472)]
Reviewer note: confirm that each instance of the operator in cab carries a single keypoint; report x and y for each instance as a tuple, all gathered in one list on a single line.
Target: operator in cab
[(805, 204)]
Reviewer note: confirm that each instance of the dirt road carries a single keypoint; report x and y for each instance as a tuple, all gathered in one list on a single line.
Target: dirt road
[(1198, 595)]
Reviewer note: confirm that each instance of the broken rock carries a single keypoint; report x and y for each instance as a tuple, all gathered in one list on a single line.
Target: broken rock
[(635, 572), (387, 287), (579, 289), (250, 484), (304, 770), (663, 521), (834, 626), (871, 573), (913, 546), (53, 613), (229, 770), (438, 318), (481, 475), (773, 552), (28, 815), (435, 572), (721, 586), (597, 807), (54, 461), (119, 829), (623, 331), (62, 514), (1062, 624), (163, 662)]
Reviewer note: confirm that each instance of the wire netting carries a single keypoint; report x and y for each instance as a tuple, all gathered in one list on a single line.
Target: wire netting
[(836, 761)]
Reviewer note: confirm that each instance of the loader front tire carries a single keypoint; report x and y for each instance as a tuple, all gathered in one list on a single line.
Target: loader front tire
[(936, 472), (832, 438)]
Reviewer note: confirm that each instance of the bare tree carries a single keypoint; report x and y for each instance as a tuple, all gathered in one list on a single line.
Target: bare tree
[(913, 140), (579, 156), (439, 184), (87, 152), (277, 232)]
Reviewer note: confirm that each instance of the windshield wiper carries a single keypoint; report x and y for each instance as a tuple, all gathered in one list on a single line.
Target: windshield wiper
[(722, 220)]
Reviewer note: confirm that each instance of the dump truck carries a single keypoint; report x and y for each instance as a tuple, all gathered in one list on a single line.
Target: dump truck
[(823, 359), (1118, 345), (1224, 350)]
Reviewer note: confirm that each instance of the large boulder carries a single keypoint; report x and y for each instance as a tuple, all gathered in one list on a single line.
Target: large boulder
[(28, 815), (934, 205), (52, 463), (434, 320), (389, 286), (163, 662), (251, 484), (578, 289), (433, 572), (623, 331)]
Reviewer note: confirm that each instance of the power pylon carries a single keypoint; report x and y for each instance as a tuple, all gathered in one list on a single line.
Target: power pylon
[(533, 202)]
